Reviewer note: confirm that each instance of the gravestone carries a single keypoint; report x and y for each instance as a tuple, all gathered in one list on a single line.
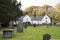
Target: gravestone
[(20, 26), (8, 33), (11, 25), (46, 37), (58, 24)]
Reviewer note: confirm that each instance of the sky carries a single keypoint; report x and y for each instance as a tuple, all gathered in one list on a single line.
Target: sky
[(27, 3)]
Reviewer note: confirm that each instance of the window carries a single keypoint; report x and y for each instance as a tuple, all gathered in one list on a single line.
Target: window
[(45, 18)]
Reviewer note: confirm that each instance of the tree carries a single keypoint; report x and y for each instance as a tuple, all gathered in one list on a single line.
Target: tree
[(58, 12), (58, 5), (29, 10), (9, 10), (46, 8), (32, 9)]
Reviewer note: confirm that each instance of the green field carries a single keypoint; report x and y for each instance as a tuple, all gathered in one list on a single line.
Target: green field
[(36, 33)]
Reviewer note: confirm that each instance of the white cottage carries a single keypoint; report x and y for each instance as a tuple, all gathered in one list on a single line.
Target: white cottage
[(37, 19)]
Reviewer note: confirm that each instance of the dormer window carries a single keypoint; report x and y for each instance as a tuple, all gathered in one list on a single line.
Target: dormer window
[(45, 18)]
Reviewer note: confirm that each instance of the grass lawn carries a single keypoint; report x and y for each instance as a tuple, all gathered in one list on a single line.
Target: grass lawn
[(36, 33)]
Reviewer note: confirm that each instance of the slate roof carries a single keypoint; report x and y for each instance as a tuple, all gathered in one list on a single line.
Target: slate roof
[(35, 18)]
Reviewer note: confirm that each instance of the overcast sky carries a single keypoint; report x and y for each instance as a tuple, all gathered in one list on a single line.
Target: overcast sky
[(27, 3)]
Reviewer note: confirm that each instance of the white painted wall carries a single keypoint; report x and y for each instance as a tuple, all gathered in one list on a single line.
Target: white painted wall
[(40, 22), (36, 22), (27, 19), (47, 21)]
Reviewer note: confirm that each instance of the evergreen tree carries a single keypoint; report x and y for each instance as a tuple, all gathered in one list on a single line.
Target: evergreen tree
[(9, 10)]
